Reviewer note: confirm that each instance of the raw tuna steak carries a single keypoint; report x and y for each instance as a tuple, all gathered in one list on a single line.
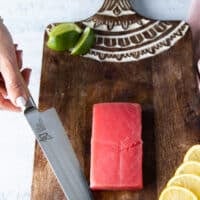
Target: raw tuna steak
[(116, 147)]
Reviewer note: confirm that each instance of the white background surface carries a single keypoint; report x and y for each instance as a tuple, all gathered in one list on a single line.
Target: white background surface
[(26, 20)]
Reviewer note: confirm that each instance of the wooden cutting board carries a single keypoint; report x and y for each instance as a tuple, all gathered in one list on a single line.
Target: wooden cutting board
[(134, 60)]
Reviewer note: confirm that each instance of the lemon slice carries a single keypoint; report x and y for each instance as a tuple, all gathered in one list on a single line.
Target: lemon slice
[(64, 36), (177, 193), (193, 154), (188, 181), (191, 167), (85, 42)]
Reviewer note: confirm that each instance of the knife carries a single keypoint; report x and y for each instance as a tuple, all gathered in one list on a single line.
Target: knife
[(163, 9), (56, 147)]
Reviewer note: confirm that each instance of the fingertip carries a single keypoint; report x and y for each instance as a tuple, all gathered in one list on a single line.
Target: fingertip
[(20, 102), (15, 92)]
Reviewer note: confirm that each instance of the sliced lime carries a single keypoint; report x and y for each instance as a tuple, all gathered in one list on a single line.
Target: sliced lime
[(85, 42), (64, 36)]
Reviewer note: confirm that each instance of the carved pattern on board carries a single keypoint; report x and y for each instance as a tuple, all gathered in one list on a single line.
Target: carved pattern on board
[(124, 36)]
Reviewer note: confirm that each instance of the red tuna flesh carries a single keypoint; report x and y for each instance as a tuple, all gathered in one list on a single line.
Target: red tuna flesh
[(116, 147)]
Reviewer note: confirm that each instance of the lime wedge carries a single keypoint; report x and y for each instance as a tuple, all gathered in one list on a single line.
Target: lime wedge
[(85, 42), (64, 36)]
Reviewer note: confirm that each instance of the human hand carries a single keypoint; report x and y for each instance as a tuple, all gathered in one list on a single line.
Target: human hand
[(12, 77)]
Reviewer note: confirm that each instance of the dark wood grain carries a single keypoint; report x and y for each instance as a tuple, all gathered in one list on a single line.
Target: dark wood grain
[(166, 87), (176, 104)]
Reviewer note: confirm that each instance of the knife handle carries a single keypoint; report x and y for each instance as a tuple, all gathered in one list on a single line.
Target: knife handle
[(29, 104), (26, 105)]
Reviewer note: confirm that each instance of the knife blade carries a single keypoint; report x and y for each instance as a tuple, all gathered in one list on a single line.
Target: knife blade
[(56, 147), (172, 10)]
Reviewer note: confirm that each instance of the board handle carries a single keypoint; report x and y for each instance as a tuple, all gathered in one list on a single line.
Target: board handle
[(110, 5)]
